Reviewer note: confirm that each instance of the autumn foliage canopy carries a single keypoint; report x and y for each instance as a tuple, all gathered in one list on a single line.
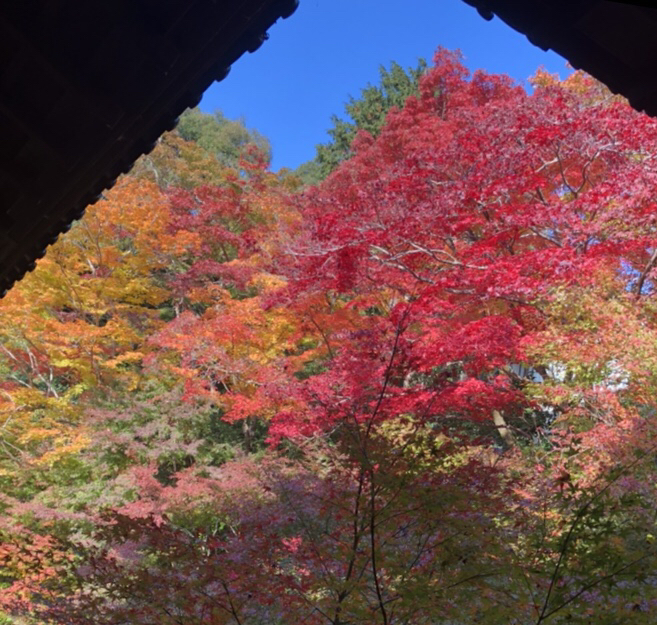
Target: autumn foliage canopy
[(422, 391)]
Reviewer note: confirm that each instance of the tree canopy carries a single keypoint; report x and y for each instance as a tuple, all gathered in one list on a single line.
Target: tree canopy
[(421, 391), (225, 138)]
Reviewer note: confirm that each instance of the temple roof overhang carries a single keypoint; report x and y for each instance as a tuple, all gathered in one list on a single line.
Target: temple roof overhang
[(614, 41), (87, 87)]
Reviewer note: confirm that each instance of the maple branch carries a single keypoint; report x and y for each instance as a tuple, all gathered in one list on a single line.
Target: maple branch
[(585, 169), (541, 197), (546, 164), (371, 472), (233, 609), (571, 530), (563, 174), (465, 580), (375, 573), (393, 262), (521, 302), (403, 267), (386, 380), (35, 370), (230, 611), (171, 616), (314, 608), (344, 593), (466, 292), (590, 585), (358, 532), (644, 274), (324, 252), (367, 470), (11, 450), (40, 376), (449, 260), (539, 234), (324, 337), (14, 377), (9, 353)]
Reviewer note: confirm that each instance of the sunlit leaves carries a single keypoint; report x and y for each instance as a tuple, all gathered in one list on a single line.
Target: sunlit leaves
[(420, 392)]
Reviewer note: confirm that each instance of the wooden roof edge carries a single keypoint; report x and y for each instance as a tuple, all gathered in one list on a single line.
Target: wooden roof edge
[(59, 219), (553, 25)]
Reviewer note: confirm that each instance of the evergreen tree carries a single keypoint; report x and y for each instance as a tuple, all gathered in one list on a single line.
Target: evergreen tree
[(366, 113)]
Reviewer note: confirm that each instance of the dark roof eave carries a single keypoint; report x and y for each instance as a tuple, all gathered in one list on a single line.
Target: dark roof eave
[(56, 161), (612, 41)]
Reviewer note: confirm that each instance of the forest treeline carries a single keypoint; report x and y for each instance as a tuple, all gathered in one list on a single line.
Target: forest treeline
[(420, 391)]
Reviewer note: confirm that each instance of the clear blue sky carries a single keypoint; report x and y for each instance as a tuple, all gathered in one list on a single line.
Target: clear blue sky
[(330, 49)]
